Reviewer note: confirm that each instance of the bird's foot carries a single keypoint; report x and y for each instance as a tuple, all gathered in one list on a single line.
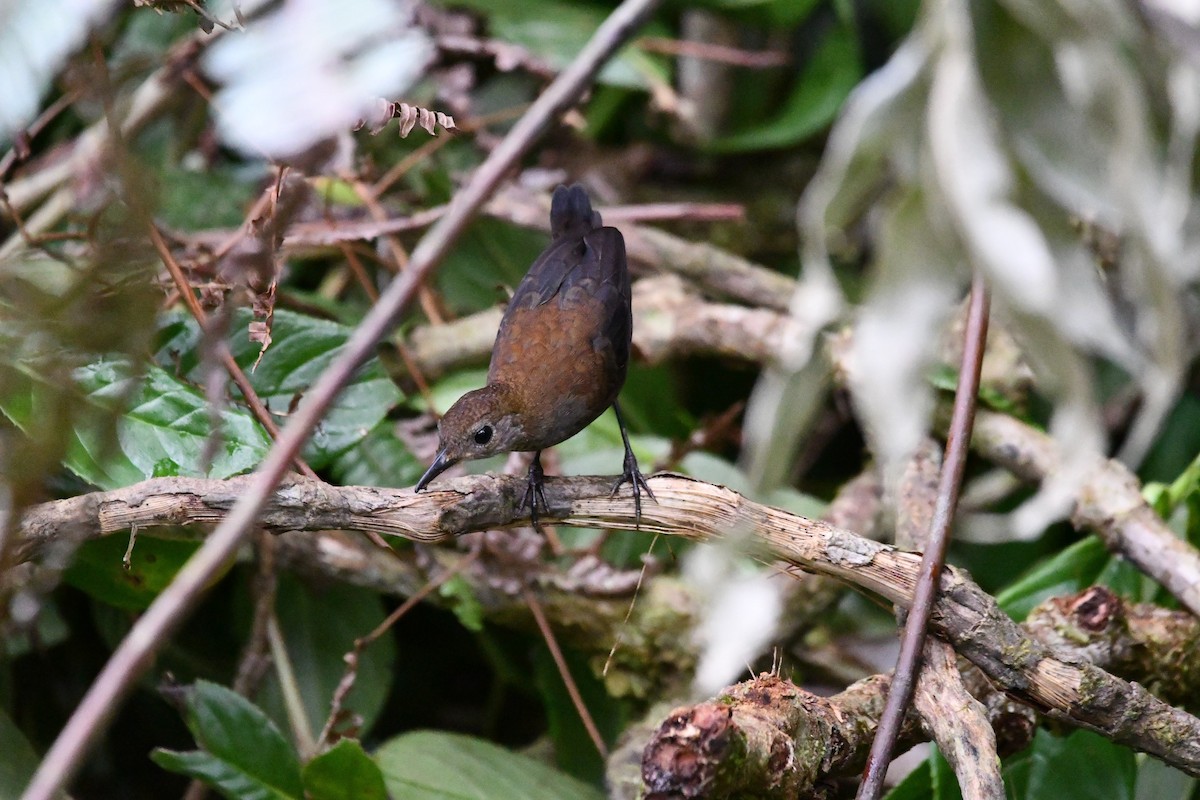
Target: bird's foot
[(633, 476), (533, 491)]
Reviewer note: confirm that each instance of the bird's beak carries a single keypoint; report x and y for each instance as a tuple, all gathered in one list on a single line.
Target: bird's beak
[(440, 464)]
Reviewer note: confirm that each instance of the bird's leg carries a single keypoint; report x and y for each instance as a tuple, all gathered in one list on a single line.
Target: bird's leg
[(533, 489), (632, 475)]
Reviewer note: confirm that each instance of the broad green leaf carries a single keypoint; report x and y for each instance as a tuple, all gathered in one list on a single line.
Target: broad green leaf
[(916, 785), (834, 69), (229, 779), (243, 754), (99, 570), (319, 626), (1157, 781), (1082, 766), (163, 429), (344, 772), (945, 783), (379, 459), (1173, 456), (19, 760), (428, 765), (211, 198), (932, 780), (1071, 570), (301, 348), (489, 258)]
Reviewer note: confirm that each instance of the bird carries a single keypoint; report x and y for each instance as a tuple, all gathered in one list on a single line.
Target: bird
[(560, 356)]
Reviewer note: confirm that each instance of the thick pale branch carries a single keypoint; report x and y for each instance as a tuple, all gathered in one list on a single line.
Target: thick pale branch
[(1109, 502), (1078, 693)]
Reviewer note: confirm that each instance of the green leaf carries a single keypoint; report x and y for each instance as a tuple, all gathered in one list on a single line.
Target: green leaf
[(19, 761), (945, 783), (98, 568), (214, 197), (1082, 766), (163, 429), (1173, 455), (243, 754), (463, 602), (229, 779), (1071, 570), (379, 459), (344, 772), (917, 785), (834, 69), (1157, 781), (319, 627), (301, 348), (557, 31), (932, 780), (429, 765), (489, 257)]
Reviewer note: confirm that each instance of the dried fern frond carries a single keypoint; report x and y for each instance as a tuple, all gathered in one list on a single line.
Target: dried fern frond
[(409, 116)]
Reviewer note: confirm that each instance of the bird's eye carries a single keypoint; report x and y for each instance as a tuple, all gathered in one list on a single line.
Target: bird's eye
[(483, 435)]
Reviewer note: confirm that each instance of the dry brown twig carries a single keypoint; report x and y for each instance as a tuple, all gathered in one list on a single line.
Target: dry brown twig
[(934, 544), (957, 721)]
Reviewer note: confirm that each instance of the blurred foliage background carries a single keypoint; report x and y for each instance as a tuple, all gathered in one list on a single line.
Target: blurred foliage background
[(879, 150)]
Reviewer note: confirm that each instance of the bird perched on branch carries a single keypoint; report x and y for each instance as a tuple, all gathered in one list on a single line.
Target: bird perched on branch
[(560, 357)]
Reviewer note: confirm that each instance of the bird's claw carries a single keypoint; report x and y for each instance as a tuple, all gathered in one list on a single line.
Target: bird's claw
[(534, 492), (633, 476)]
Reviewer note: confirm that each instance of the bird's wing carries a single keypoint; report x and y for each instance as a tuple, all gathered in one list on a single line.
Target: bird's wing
[(602, 276), (579, 284)]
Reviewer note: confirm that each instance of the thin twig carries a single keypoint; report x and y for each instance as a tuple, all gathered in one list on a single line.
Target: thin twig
[(399, 257), (359, 272), (252, 666), (289, 690), (18, 151), (338, 702), (734, 56), (957, 721), (539, 616), (136, 651), (926, 591), (251, 397)]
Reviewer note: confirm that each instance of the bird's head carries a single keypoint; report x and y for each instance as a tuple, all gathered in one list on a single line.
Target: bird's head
[(481, 423)]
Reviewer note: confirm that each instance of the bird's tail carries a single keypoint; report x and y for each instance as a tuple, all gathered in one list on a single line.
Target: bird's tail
[(571, 212)]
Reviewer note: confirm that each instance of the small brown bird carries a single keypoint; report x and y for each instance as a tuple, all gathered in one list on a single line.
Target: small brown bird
[(560, 357)]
